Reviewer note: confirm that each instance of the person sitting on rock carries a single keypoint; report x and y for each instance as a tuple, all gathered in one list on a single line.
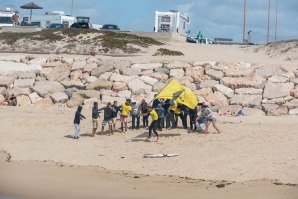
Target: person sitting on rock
[(11, 101)]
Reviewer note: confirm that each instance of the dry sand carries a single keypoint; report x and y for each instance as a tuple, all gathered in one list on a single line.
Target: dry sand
[(254, 152)]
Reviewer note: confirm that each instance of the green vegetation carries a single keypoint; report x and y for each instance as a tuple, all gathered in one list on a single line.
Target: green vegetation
[(107, 39), (167, 52)]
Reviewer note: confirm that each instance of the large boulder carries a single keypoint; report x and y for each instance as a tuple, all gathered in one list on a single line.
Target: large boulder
[(147, 66), (18, 91), (204, 92), (104, 92), (276, 90), (73, 84), (2, 90), (122, 64), (204, 64), (244, 82), (23, 100), (294, 92), (246, 100), (162, 70), (249, 91), (159, 76), (137, 87), (45, 88), (78, 65), (232, 109), (295, 81), (6, 81), (253, 112), (8, 67), (34, 97), (293, 111), (124, 94), (159, 86), (178, 64), (26, 75), (275, 110), (106, 75), (208, 83), (101, 69), (106, 99), (122, 78), (132, 71), (177, 73), (224, 90), (100, 85), (45, 102), (24, 83), (215, 74), (59, 73), (146, 72), (88, 94), (89, 67), (268, 71), (119, 86), (45, 72), (217, 99), (76, 75), (197, 73), (278, 79), (2, 98), (91, 79), (149, 80), (59, 97), (293, 104)]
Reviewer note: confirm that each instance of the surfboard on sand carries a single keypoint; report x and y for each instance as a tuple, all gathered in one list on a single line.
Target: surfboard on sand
[(160, 155)]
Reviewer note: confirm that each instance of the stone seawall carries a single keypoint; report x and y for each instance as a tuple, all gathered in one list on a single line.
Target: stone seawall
[(262, 89)]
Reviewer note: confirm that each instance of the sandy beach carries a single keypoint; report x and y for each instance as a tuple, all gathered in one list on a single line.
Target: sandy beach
[(250, 152)]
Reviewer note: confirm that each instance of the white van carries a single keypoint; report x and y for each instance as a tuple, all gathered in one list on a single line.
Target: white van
[(5, 17)]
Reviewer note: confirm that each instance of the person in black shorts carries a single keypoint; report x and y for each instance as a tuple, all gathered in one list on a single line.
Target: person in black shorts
[(116, 110)]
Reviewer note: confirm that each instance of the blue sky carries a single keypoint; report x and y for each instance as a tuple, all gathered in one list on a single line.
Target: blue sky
[(215, 18)]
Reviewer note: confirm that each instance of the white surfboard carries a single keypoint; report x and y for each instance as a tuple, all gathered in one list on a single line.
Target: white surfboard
[(159, 155)]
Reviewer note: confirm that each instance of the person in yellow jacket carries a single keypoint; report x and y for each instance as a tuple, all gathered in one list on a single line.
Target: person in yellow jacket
[(154, 123), (125, 111)]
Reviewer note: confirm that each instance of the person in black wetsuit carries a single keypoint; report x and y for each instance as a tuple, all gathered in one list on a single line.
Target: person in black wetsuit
[(77, 120)]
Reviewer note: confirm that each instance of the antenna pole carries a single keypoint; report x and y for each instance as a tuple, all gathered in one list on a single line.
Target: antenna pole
[(244, 23), (276, 15), (268, 32)]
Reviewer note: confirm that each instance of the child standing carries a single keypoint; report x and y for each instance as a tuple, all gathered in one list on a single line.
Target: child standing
[(154, 123), (77, 120)]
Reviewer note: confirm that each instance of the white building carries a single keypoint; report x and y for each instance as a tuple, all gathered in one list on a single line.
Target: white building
[(54, 17), (172, 21)]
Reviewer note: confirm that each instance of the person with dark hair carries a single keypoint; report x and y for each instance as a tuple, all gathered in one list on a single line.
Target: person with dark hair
[(166, 105), (125, 111), (116, 110), (154, 123), (107, 119), (193, 114), (77, 120), (135, 114), (95, 117), (155, 102), (145, 113), (161, 114)]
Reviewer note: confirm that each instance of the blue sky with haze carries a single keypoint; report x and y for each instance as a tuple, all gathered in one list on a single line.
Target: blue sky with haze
[(215, 18)]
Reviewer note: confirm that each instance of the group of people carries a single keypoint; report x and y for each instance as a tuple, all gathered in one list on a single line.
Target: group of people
[(9, 100), (165, 113)]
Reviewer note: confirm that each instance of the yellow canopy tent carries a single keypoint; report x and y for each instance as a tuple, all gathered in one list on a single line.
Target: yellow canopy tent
[(176, 91)]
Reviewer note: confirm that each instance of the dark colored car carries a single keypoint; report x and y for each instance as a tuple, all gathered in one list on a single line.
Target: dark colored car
[(56, 25), (82, 22), (110, 27)]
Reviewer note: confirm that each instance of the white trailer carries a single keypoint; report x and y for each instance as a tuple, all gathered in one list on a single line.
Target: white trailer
[(54, 17), (172, 21)]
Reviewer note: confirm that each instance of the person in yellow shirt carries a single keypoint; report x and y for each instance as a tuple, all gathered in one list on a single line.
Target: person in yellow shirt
[(125, 111), (154, 123)]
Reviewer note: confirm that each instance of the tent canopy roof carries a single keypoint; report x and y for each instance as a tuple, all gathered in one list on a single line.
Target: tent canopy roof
[(30, 6)]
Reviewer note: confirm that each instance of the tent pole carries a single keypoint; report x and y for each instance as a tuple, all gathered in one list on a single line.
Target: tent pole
[(30, 16)]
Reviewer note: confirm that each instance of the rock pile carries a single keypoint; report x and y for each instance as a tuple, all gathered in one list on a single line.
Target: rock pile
[(262, 89)]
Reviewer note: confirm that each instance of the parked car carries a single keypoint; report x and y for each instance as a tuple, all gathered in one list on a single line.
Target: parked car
[(82, 22), (56, 25), (110, 27), (195, 40)]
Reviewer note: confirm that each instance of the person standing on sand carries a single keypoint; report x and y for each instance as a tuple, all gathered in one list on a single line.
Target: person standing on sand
[(125, 110), (161, 115), (77, 121), (95, 117), (15, 19), (135, 114), (208, 114), (116, 109), (154, 123), (145, 113), (107, 118)]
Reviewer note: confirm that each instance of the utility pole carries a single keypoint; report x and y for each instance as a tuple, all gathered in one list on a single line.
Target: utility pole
[(71, 7), (268, 32), (244, 23), (276, 17)]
